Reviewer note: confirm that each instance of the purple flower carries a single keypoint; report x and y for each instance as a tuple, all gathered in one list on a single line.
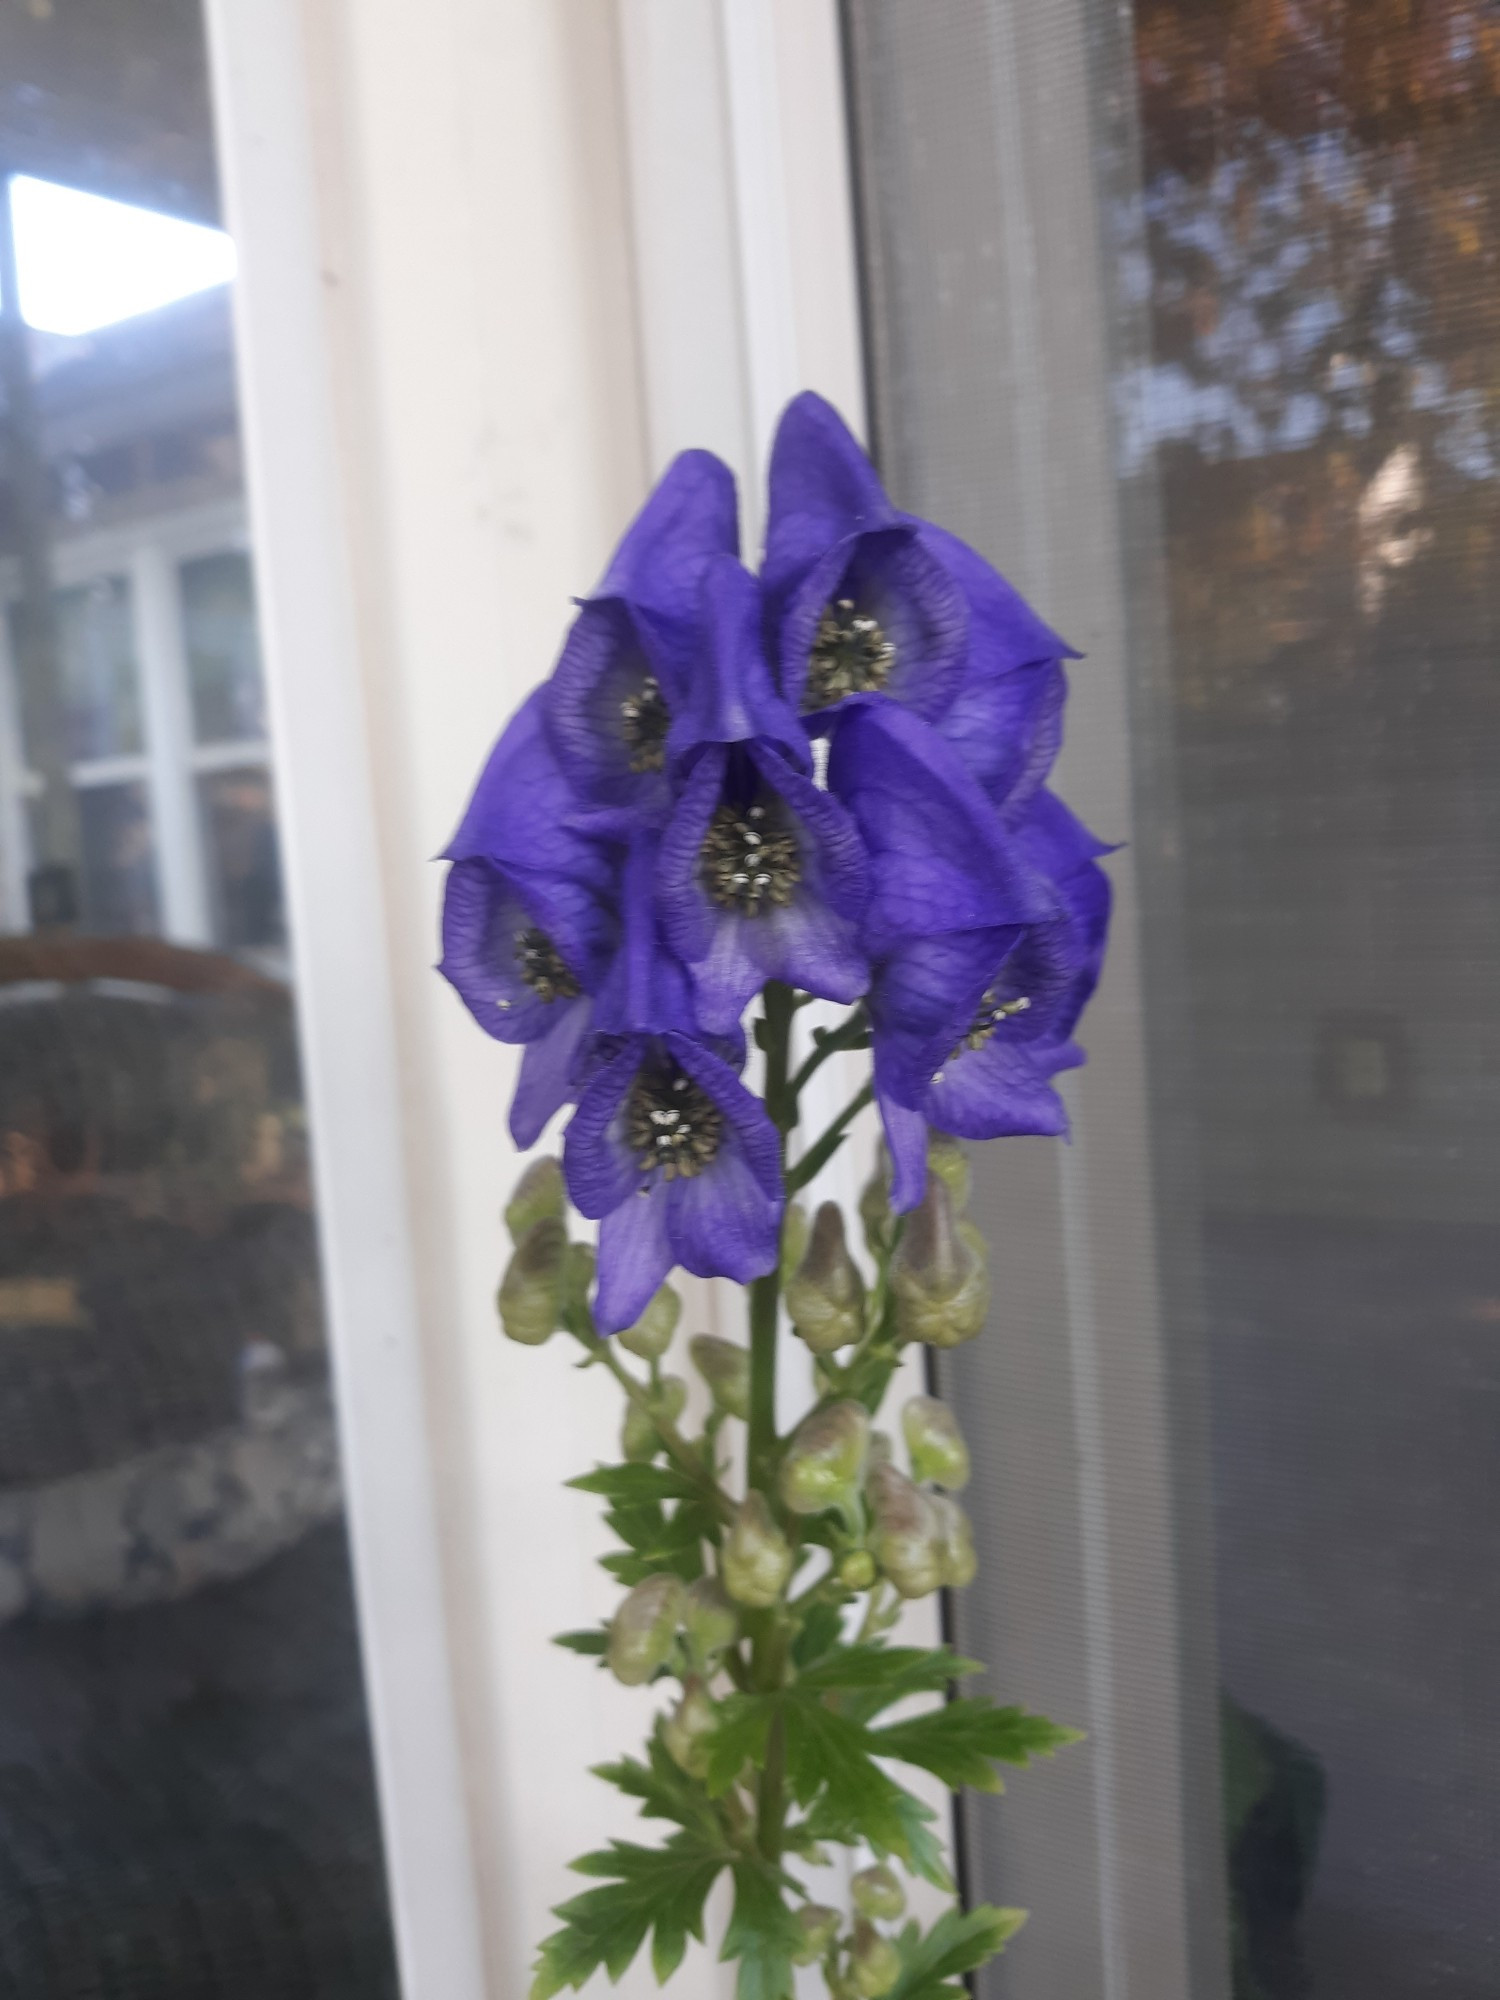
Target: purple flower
[(868, 603), (679, 1164), (528, 917), (762, 874), (630, 657), (971, 1026)]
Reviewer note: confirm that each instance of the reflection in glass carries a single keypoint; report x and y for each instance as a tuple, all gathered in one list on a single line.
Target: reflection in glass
[(223, 652), (240, 837), (118, 875), (187, 1803)]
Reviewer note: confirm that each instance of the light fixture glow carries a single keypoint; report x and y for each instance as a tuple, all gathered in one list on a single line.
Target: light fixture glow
[(84, 261)]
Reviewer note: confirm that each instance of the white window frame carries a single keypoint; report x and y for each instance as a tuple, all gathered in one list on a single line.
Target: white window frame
[(147, 553)]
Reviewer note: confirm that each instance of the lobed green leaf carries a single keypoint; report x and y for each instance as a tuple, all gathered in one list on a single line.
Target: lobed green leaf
[(656, 1890), (631, 1485), (593, 1643), (762, 1934), (962, 1741), (933, 1966)]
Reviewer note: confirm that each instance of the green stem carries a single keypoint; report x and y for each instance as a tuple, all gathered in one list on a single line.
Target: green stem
[(675, 1444), (818, 1155), (849, 1034), (775, 1036)]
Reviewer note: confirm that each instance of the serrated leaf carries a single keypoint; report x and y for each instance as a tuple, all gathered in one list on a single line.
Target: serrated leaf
[(828, 1759), (738, 1739), (593, 1642), (962, 1741), (762, 1934), (820, 1630), (633, 1485), (870, 1676), (933, 1966), (660, 1890), (664, 1789)]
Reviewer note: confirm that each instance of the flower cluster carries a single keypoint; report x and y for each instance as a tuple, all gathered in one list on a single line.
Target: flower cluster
[(832, 776)]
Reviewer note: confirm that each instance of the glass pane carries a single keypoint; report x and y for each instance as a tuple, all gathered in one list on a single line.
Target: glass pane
[(187, 1797), (1267, 313), (244, 873), (101, 713), (223, 648), (119, 859)]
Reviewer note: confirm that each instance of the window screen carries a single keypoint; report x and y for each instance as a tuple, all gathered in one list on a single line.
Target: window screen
[(1187, 316)]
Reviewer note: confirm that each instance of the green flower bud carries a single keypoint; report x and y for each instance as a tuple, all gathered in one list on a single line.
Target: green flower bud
[(825, 1463), (709, 1619), (640, 1440), (687, 1728), (948, 1160), (906, 1540), (539, 1195), (651, 1335), (826, 1298), (935, 1444), (794, 1227), (877, 1893), (857, 1569), (938, 1275), (530, 1295), (955, 1542), (725, 1367), (874, 1962), (757, 1558), (875, 1205), (645, 1629), (819, 1927), (841, 1987)]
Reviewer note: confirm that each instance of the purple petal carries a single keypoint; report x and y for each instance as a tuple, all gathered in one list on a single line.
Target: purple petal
[(635, 1258), (1004, 631), (906, 1142), (605, 665), (1007, 728), (890, 576), (524, 812), (731, 697), (546, 1080), (483, 913), (754, 1132), (647, 991), (1001, 1091), (722, 1223), (598, 1164), (692, 515), (939, 855), (822, 489)]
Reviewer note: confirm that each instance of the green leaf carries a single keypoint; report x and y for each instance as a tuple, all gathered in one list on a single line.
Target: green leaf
[(664, 1789), (870, 1677), (820, 1630), (660, 1890), (762, 1934), (828, 1759), (739, 1739), (933, 1967), (632, 1485), (962, 1741), (594, 1642)]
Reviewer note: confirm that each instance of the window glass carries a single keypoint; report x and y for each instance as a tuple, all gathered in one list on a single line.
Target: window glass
[(1241, 259), (187, 1794), (218, 615)]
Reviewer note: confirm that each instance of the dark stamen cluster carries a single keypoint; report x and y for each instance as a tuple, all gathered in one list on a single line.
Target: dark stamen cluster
[(671, 1123), (750, 859), (544, 968), (644, 719), (992, 1010), (850, 655)]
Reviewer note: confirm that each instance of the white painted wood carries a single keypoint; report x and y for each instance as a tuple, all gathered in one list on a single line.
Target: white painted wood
[(161, 663)]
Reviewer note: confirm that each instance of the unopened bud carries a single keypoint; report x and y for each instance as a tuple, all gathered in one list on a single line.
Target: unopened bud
[(875, 1204), (874, 1962), (640, 1439), (857, 1569), (818, 1926), (877, 1893), (709, 1619), (826, 1298), (935, 1444), (938, 1275), (906, 1539), (882, 1452), (578, 1275), (644, 1629), (948, 1160), (825, 1462), (725, 1367), (955, 1543), (687, 1729), (757, 1558), (651, 1335), (794, 1228), (530, 1295), (536, 1196)]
